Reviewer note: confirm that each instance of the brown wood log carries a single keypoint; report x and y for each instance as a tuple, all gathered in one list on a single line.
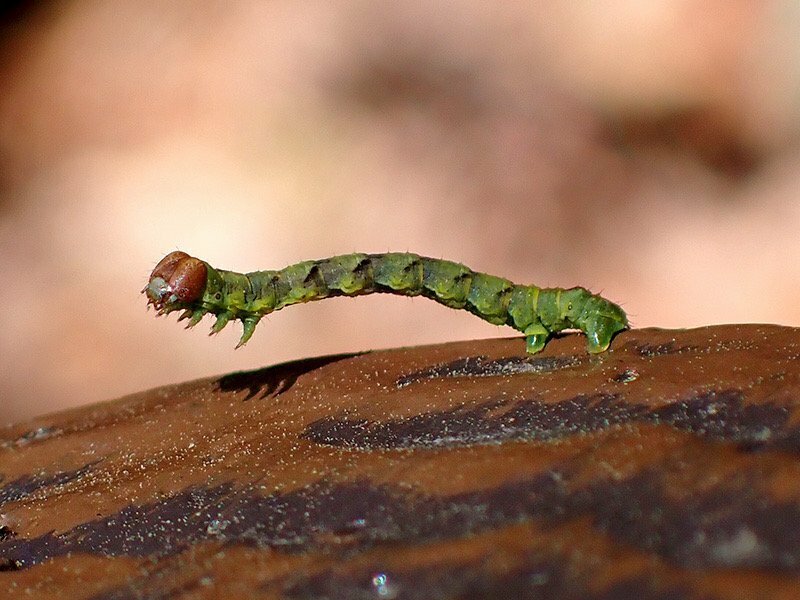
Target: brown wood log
[(665, 468)]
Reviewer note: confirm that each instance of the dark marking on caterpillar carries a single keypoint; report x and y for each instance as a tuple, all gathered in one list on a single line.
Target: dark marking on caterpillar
[(181, 282), (479, 366)]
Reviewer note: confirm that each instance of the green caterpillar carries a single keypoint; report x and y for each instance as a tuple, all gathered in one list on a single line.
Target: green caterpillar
[(181, 282)]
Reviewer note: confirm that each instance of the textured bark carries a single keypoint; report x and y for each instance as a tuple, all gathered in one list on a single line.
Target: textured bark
[(666, 467)]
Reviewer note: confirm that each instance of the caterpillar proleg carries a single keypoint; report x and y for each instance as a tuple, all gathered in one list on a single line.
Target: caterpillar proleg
[(182, 282)]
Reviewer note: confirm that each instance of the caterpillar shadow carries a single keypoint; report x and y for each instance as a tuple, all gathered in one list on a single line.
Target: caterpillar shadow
[(275, 380)]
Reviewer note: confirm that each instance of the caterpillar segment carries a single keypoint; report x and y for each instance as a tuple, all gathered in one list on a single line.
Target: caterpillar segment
[(182, 282)]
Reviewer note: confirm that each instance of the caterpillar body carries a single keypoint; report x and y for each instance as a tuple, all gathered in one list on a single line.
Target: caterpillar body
[(182, 282)]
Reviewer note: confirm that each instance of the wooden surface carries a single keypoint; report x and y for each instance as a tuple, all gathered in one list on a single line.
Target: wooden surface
[(664, 468)]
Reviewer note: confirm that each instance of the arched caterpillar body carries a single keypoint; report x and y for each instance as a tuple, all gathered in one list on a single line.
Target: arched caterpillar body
[(182, 282)]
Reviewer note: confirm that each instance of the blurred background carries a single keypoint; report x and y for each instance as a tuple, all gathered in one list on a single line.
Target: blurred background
[(647, 150)]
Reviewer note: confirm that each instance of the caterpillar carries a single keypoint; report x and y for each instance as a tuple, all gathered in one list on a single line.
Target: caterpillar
[(182, 282)]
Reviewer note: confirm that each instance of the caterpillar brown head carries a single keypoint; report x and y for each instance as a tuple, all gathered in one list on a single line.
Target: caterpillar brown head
[(177, 280)]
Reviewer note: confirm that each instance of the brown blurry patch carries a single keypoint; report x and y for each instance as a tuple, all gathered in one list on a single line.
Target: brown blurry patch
[(703, 134), (425, 82)]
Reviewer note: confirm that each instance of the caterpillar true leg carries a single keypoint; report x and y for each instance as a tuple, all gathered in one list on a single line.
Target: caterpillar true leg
[(181, 282)]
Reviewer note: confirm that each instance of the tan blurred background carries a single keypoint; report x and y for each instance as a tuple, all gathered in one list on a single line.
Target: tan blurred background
[(648, 150)]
